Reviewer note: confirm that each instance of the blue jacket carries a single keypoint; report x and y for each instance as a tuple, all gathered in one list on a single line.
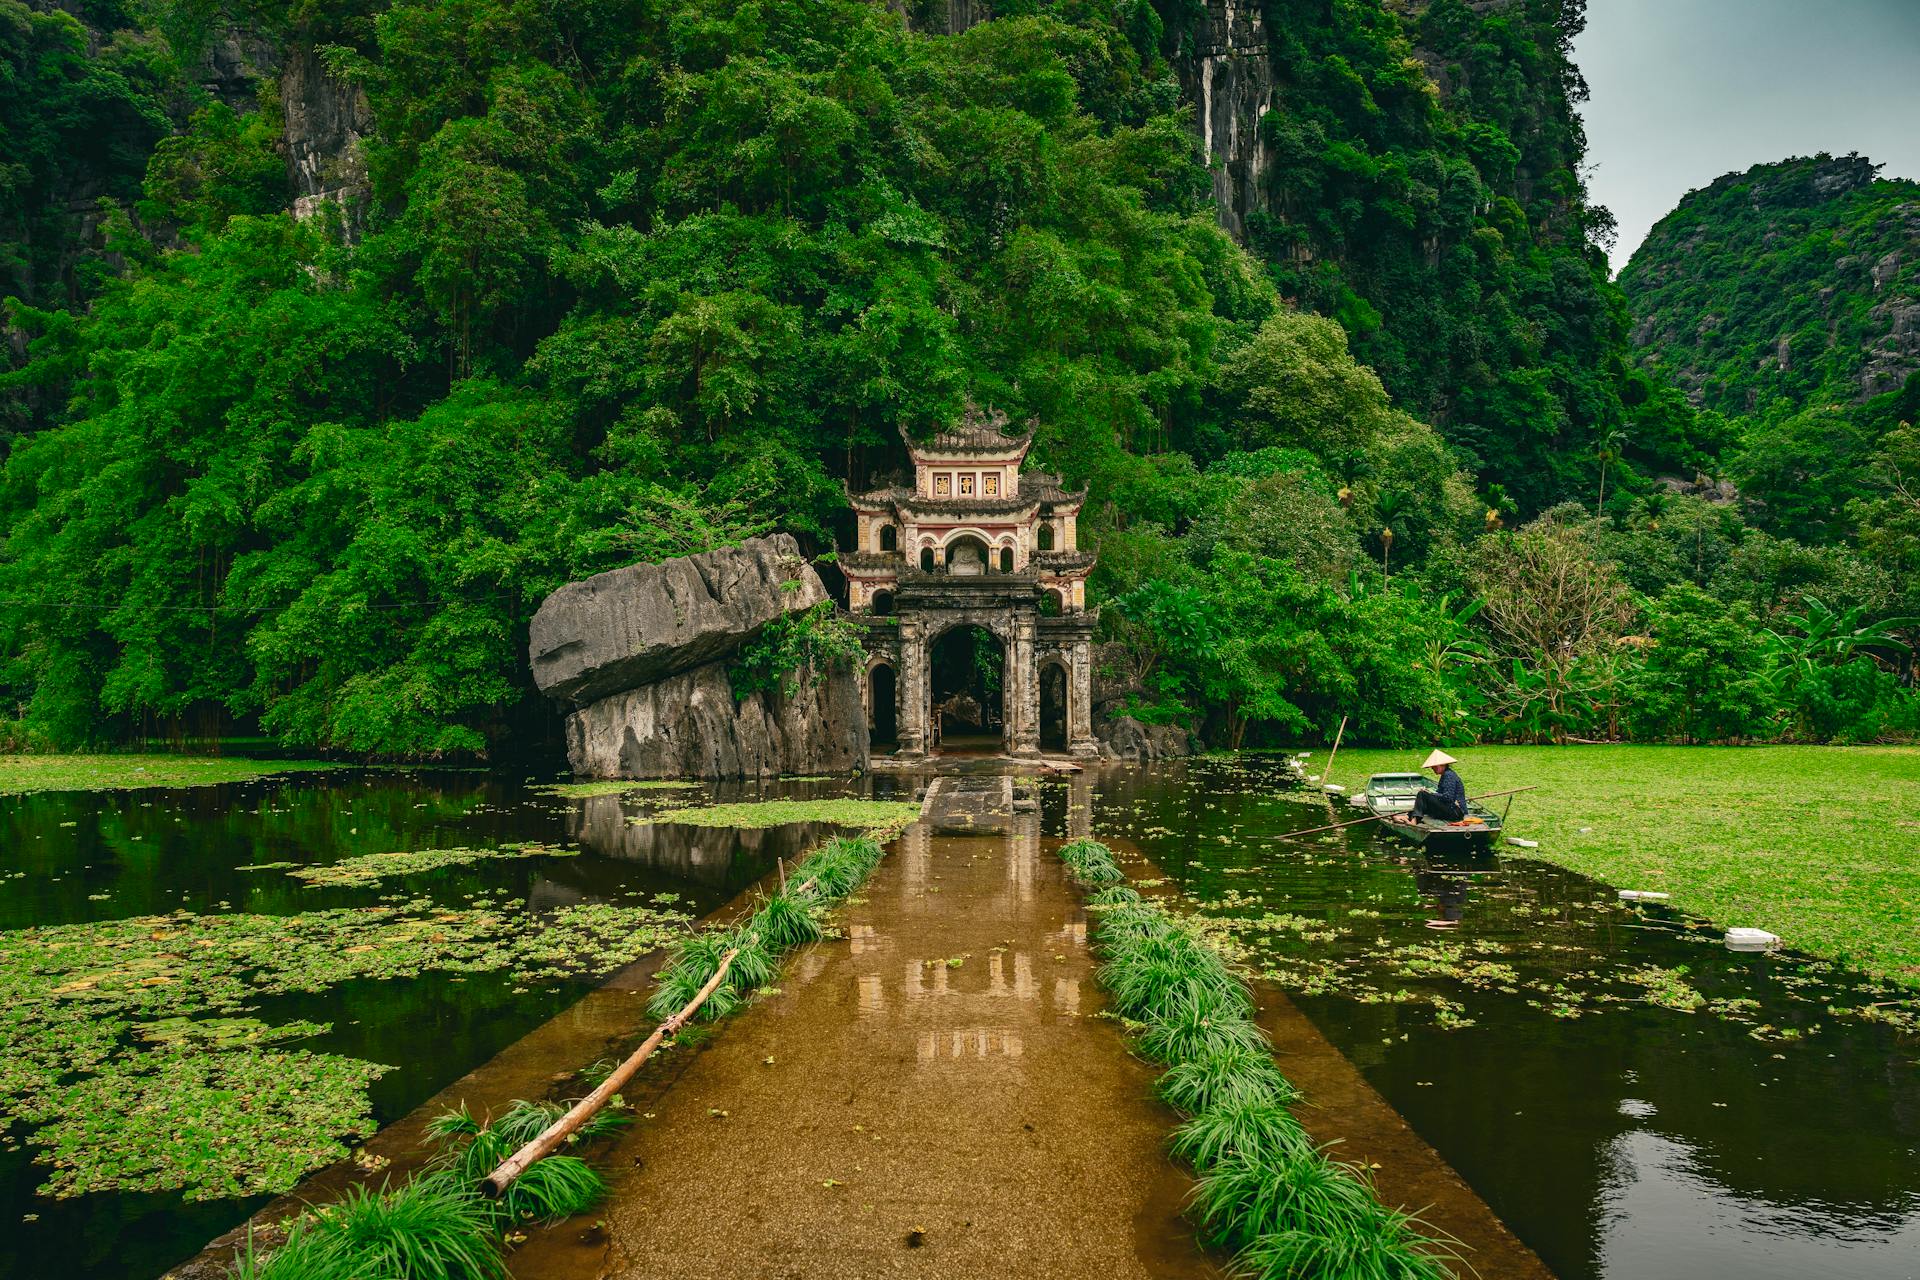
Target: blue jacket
[(1452, 789)]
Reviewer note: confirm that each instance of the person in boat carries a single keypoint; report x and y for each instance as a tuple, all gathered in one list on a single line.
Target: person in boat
[(1448, 799)]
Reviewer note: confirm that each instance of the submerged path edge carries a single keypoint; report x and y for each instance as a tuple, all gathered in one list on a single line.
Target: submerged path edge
[(1340, 1106), (600, 1022)]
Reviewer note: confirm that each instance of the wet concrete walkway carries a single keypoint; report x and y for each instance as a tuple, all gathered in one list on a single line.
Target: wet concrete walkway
[(930, 1097)]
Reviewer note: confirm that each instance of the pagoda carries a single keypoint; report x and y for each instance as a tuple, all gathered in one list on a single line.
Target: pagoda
[(976, 541)]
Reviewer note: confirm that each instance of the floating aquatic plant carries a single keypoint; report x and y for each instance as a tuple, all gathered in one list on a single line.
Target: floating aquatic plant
[(883, 817), (78, 1002), (214, 1124), (369, 868), (584, 790)]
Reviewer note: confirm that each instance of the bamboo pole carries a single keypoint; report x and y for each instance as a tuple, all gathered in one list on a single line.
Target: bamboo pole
[(1335, 826), (1326, 775), (557, 1132)]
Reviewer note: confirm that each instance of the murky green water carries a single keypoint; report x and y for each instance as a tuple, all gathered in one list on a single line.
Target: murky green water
[(74, 857), (1632, 1098)]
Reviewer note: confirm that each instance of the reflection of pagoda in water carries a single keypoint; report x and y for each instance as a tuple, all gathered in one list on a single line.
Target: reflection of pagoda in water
[(975, 542)]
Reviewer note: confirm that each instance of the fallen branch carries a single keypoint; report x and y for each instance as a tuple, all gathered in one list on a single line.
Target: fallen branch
[(558, 1132)]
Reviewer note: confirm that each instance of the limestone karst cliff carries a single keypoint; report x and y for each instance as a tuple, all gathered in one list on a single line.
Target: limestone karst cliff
[(1796, 282)]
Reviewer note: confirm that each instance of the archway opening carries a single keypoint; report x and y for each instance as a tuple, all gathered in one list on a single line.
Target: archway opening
[(883, 729), (966, 557), (1006, 559), (967, 666), (1053, 707), (926, 559), (882, 603), (1043, 536), (889, 538)]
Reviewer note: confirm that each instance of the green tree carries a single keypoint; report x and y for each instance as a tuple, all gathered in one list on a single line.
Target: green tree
[(1704, 678)]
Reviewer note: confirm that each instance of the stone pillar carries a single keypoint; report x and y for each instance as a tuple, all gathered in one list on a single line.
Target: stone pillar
[(1080, 739), (910, 689), (1022, 682)]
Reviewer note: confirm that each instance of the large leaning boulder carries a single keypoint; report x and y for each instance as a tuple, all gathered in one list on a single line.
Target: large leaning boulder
[(640, 657), (628, 627)]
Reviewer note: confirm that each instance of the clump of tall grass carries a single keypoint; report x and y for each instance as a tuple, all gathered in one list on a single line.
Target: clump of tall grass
[(554, 1188), (781, 922), (1265, 1191), (1091, 863), (429, 1229)]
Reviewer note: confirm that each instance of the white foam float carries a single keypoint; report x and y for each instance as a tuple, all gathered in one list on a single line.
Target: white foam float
[(1751, 940), (1520, 843), (1642, 895)]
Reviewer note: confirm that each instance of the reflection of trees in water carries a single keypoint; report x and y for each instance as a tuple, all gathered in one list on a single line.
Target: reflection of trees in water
[(144, 847), (713, 857)]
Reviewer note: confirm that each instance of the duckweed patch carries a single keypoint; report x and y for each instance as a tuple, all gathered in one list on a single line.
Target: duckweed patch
[(128, 1045), (216, 1124), (615, 787), (882, 818), (19, 774), (369, 868)]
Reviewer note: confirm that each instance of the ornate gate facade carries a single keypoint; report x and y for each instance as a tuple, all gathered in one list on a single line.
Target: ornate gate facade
[(975, 541)]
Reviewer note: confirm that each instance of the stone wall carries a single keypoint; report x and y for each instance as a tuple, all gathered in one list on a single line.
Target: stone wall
[(325, 119)]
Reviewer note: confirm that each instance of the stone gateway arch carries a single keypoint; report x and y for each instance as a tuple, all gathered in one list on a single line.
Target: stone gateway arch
[(975, 542)]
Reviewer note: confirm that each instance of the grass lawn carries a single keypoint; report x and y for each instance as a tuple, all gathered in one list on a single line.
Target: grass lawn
[(1821, 845), (120, 773)]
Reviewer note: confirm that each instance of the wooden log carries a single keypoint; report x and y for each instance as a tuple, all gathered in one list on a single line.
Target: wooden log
[(556, 1133)]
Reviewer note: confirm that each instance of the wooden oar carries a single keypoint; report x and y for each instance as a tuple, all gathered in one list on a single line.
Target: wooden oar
[(1354, 822)]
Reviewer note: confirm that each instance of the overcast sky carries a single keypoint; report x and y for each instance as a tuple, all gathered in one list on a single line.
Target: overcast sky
[(1686, 90)]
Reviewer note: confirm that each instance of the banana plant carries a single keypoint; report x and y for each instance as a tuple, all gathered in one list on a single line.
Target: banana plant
[(1823, 636)]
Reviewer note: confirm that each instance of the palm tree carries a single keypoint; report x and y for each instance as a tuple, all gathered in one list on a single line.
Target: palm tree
[(1612, 442)]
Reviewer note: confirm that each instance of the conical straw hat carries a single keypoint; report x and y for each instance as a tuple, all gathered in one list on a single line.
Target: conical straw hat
[(1437, 758)]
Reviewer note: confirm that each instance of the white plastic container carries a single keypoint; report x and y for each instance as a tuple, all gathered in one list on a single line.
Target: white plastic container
[(1751, 940)]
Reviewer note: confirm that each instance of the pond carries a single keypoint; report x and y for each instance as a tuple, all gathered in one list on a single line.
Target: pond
[(1631, 1097), (263, 912)]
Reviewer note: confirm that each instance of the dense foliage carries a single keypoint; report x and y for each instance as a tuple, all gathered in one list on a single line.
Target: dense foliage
[(634, 279), (1424, 189), (1783, 286)]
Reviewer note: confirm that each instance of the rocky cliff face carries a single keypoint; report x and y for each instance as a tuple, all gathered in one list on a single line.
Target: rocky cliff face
[(640, 655), (325, 119), (1229, 81)]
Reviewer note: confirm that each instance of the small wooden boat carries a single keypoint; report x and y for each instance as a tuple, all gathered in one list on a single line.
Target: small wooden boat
[(1389, 797)]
